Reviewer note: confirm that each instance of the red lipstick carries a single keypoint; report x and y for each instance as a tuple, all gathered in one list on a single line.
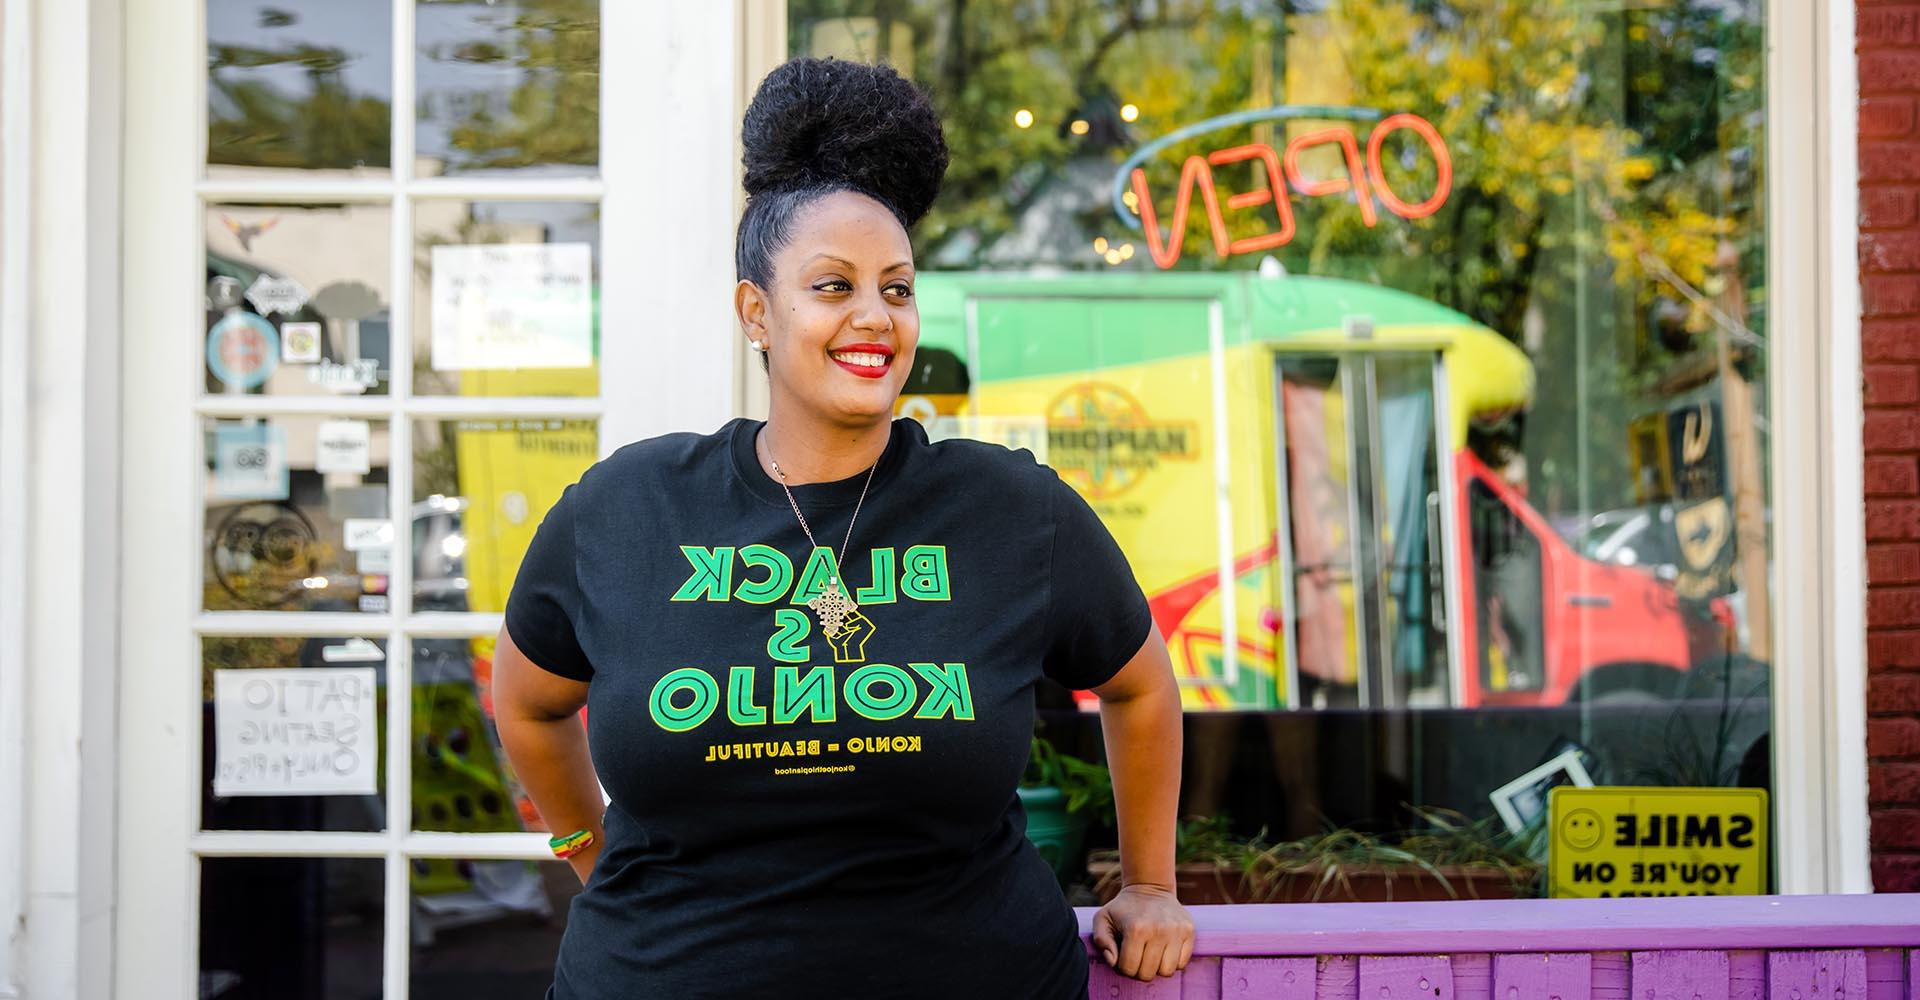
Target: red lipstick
[(845, 356)]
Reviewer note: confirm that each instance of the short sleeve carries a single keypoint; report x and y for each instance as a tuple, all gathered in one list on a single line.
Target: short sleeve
[(1097, 617), (544, 607)]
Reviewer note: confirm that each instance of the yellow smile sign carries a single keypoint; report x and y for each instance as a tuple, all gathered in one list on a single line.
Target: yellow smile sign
[(1621, 841)]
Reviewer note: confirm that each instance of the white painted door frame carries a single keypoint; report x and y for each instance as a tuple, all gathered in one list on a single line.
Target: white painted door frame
[(668, 362)]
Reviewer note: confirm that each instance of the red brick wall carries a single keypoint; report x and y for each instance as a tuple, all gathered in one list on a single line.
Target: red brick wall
[(1888, 38)]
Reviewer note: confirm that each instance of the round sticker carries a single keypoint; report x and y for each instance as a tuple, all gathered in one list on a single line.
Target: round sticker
[(242, 350)]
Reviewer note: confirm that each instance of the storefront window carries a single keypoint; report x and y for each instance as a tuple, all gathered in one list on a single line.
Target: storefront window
[(1415, 353)]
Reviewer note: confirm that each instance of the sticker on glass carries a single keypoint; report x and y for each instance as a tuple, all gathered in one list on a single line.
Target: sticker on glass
[(344, 446), (299, 343), (249, 462), (272, 294), (512, 306), (304, 731), (242, 350), (366, 533)]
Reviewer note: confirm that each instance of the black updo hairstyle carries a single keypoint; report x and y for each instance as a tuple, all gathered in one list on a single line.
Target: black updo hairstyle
[(820, 126)]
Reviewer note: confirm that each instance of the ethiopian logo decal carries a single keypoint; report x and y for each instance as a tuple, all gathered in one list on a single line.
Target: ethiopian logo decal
[(1100, 439)]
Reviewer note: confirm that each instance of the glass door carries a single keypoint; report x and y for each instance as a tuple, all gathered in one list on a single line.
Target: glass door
[(1363, 571), (400, 210)]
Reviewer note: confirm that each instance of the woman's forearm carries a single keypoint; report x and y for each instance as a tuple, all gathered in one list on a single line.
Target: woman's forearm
[(1142, 734), (550, 757)]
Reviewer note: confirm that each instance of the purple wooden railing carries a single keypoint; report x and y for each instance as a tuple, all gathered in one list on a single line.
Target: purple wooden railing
[(1679, 948)]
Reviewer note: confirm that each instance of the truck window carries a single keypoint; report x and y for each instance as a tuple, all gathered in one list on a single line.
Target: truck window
[(1507, 579)]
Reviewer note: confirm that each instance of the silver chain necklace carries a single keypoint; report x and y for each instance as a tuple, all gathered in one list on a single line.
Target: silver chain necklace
[(832, 605)]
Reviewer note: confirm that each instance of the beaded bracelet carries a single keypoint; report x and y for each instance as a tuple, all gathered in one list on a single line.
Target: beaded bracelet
[(571, 844)]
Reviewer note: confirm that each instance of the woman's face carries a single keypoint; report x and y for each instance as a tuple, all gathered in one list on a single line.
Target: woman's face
[(840, 324)]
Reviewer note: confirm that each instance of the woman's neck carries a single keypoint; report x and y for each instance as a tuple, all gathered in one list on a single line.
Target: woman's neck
[(810, 451)]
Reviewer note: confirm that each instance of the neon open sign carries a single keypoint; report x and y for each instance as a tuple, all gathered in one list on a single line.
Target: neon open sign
[(1364, 179)]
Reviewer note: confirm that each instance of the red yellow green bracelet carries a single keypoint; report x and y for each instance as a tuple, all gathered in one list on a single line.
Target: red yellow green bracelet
[(571, 844)]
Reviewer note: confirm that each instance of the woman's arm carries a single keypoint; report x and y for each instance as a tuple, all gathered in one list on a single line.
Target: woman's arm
[(538, 714), (1144, 932)]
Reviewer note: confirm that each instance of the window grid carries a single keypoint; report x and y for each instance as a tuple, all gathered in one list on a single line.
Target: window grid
[(399, 843)]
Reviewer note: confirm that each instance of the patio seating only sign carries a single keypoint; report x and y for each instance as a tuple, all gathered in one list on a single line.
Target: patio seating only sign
[(307, 731), (1623, 841)]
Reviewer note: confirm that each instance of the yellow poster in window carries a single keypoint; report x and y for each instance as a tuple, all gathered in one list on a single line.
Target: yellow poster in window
[(1626, 841)]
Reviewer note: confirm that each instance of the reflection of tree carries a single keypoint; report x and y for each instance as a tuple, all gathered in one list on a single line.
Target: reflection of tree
[(254, 123), (552, 114), (1595, 149)]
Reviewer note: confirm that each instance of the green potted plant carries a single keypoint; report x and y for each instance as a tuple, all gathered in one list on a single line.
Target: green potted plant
[(1062, 795), (1449, 857)]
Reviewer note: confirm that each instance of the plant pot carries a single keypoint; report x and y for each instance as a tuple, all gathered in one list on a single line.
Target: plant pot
[(1199, 883), (1055, 832)]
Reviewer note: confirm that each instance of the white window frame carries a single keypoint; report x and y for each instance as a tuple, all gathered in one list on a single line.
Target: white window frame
[(682, 71), (666, 253)]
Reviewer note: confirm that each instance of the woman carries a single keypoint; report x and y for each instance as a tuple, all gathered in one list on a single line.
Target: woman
[(809, 646)]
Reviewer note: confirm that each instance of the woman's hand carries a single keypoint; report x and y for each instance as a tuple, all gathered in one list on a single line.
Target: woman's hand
[(1144, 932)]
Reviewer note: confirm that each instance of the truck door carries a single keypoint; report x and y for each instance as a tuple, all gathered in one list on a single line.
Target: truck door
[(1363, 547)]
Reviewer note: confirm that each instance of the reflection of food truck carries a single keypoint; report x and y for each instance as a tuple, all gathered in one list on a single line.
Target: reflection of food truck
[(1285, 462)]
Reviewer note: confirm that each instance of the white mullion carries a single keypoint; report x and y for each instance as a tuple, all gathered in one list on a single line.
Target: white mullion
[(302, 624), (454, 624), (293, 189), (283, 406), (480, 846), (290, 844), (397, 929), (467, 188), (506, 407)]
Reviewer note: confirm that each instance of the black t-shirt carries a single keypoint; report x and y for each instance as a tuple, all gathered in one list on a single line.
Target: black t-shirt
[(798, 815)]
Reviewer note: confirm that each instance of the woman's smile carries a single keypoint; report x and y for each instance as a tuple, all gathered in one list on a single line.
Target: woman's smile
[(865, 360)]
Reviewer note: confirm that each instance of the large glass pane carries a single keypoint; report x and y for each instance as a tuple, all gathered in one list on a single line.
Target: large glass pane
[(506, 298), (1414, 352), (481, 488), (293, 733), (299, 85), (296, 514), (507, 86), (291, 928), (297, 299), (487, 930)]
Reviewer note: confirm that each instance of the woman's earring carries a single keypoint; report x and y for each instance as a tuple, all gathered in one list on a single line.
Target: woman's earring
[(757, 345)]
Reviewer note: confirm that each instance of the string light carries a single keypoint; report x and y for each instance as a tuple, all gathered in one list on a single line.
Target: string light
[(1113, 257), (1126, 251), (1099, 244), (1128, 112), (1023, 118), (1079, 126)]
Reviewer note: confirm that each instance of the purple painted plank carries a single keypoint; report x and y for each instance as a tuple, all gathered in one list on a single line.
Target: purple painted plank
[(1545, 977), (1886, 974), (1913, 974), (1817, 975), (1267, 979), (1612, 975), (1201, 981), (1681, 975), (1106, 984), (1747, 975), (1336, 977), (1880, 920), (1473, 976), (1406, 977)]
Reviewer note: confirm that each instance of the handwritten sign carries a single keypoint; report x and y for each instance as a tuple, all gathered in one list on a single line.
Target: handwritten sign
[(306, 731), (1624, 841), (512, 306)]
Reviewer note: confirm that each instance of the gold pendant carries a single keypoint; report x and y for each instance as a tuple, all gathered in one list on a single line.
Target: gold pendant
[(832, 608)]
